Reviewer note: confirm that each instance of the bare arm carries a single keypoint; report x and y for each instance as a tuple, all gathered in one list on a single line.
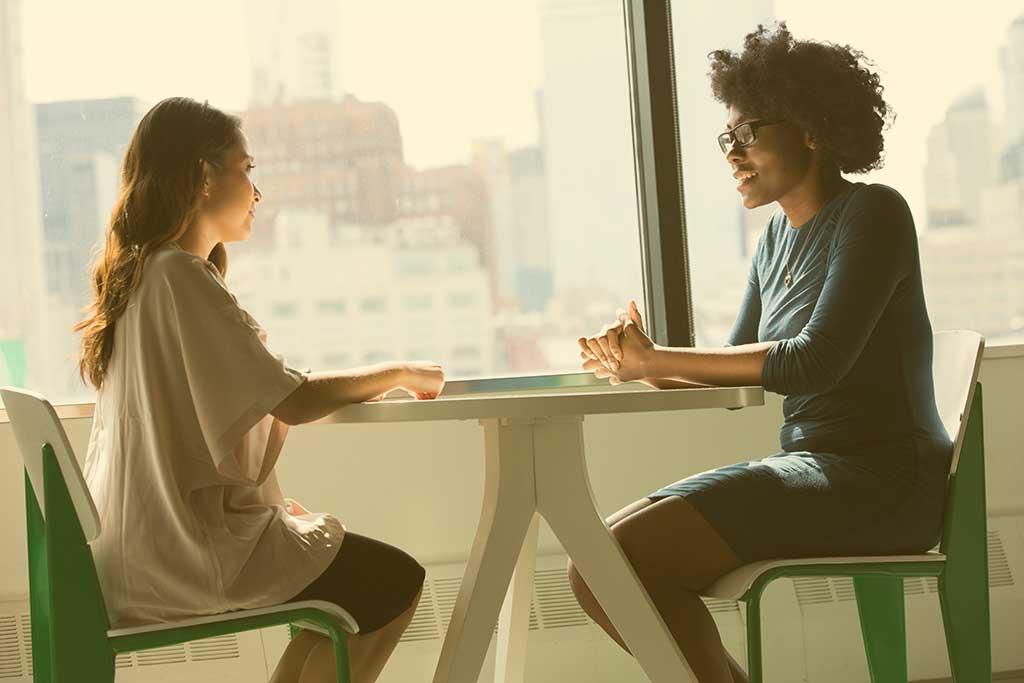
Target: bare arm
[(624, 352), (324, 392), (665, 383), (729, 366)]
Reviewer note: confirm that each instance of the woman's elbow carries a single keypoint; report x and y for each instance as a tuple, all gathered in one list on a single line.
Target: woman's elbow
[(293, 409)]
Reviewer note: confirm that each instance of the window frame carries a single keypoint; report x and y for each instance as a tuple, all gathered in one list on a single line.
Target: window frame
[(660, 207), (661, 214)]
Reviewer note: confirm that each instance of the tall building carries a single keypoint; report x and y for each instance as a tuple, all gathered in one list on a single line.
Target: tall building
[(23, 356), (960, 163), (343, 296), (81, 147), (293, 50), (343, 159), (588, 150), (458, 192), (1011, 58), (943, 203), (81, 144), (519, 219)]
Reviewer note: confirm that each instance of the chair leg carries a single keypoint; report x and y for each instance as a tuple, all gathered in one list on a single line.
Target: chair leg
[(753, 602), (965, 615), (963, 585), (883, 624), (342, 666)]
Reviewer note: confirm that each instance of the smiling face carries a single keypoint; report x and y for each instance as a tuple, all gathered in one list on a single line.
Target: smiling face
[(779, 161), (230, 206)]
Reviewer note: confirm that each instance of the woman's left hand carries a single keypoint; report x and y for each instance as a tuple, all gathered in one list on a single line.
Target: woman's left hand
[(635, 348), (294, 507)]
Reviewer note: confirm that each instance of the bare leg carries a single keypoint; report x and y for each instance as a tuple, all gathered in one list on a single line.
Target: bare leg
[(367, 653), (290, 665), (738, 674), (675, 552)]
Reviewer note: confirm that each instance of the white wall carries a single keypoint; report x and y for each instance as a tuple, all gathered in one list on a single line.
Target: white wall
[(419, 486)]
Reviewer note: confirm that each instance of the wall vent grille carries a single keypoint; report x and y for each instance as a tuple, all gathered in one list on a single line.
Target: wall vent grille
[(817, 590), (26, 642), (999, 573), (16, 650), (558, 606), (11, 664), (552, 606)]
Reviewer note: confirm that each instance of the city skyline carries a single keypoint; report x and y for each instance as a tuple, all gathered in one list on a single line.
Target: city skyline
[(397, 61), (506, 197)]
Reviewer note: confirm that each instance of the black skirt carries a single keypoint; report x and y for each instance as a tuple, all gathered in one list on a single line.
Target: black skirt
[(373, 581)]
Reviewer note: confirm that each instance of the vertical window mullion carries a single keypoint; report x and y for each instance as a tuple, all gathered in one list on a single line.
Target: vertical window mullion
[(659, 174)]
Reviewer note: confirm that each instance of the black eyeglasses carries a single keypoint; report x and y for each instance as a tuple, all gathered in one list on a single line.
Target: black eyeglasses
[(743, 135)]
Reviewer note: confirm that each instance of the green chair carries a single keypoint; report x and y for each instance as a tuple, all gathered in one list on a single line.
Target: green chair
[(961, 564), (72, 640)]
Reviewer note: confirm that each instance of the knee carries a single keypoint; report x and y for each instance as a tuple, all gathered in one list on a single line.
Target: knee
[(414, 575), (579, 587)]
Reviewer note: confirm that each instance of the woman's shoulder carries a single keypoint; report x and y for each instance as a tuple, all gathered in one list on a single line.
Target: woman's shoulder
[(171, 267), (876, 197), (171, 262), (877, 214)]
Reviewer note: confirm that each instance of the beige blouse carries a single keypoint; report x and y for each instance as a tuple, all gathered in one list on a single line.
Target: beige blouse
[(181, 457)]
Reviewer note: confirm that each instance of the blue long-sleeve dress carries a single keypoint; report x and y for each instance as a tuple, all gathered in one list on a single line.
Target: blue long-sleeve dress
[(865, 457)]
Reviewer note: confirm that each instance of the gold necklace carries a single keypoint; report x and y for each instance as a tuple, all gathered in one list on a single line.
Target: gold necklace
[(789, 275)]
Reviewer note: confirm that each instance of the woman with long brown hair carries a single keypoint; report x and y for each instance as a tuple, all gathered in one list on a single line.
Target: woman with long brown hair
[(192, 410)]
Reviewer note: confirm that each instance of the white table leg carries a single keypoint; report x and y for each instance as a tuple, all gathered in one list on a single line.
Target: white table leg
[(565, 499), (508, 509), (514, 622)]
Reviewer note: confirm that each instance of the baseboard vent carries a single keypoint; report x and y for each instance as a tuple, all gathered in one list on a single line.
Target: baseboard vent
[(817, 590), (219, 647), (16, 650), (11, 658), (552, 605)]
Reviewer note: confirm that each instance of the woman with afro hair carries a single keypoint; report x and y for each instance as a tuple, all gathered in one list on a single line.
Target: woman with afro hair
[(833, 318)]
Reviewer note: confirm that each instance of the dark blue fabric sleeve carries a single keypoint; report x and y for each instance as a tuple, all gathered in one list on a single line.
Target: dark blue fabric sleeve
[(871, 254), (744, 330)]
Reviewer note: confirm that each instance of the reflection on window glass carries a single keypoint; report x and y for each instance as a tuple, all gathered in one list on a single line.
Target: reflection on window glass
[(333, 306), (373, 304), (419, 302), (955, 151), (400, 146), (284, 310)]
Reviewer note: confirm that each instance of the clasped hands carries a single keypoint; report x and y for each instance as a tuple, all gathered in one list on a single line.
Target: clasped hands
[(622, 351)]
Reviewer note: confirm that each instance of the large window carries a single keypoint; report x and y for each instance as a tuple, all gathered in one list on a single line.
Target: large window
[(955, 76), (448, 180), (459, 180)]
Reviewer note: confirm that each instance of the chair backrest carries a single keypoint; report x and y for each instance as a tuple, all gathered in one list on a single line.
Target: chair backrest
[(956, 361), (69, 617), (35, 423)]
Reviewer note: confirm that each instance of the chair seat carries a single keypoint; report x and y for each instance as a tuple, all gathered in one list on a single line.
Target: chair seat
[(348, 623), (736, 583)]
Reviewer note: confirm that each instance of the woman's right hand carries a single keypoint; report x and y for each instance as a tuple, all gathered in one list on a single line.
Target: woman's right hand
[(605, 347), (422, 379)]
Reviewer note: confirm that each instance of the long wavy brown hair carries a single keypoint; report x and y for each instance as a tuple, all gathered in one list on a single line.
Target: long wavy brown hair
[(161, 186)]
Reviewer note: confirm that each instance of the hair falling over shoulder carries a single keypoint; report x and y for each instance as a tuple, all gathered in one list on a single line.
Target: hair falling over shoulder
[(161, 181)]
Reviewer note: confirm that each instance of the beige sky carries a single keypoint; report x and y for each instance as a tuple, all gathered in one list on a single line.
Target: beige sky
[(928, 53), (419, 58)]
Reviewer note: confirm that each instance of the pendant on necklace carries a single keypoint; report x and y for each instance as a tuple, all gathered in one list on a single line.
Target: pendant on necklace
[(789, 280)]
